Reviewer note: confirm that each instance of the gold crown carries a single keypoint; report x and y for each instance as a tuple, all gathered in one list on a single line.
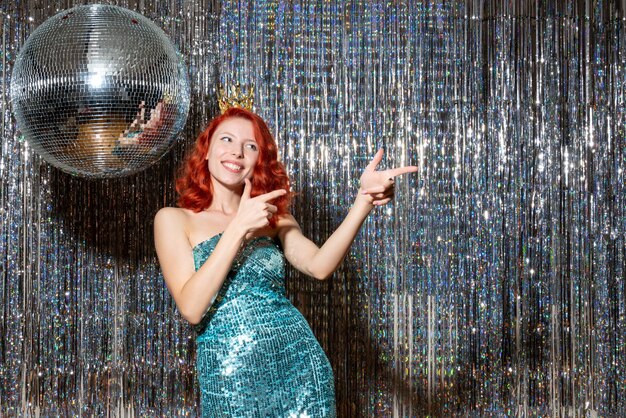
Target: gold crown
[(236, 99)]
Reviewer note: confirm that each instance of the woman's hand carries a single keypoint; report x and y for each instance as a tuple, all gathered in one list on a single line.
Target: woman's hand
[(379, 185), (255, 213)]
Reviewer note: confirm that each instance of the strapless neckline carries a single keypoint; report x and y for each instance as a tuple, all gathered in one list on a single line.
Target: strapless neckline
[(212, 238), (207, 240)]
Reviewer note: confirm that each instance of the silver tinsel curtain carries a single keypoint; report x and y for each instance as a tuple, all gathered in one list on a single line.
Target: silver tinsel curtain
[(494, 285)]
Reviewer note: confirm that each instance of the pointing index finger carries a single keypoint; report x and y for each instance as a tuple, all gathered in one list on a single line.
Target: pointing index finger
[(402, 170), (266, 197)]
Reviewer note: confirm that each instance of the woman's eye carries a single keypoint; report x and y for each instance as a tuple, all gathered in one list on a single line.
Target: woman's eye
[(253, 147), (226, 139)]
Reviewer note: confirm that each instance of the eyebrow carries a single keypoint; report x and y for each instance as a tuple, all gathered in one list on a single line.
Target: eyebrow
[(231, 134)]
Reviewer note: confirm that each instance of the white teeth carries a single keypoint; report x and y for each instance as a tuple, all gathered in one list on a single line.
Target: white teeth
[(233, 166)]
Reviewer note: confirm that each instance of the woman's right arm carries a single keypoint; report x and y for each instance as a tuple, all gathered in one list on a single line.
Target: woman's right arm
[(194, 291)]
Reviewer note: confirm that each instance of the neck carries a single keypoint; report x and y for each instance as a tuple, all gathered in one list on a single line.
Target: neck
[(225, 200)]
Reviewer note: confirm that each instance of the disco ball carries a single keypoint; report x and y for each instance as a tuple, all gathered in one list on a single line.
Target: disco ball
[(99, 91)]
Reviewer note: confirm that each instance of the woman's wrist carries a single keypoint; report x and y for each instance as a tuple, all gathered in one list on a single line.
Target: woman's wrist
[(363, 201), (236, 232)]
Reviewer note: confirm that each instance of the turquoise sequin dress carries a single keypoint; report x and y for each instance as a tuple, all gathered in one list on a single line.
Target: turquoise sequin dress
[(256, 354)]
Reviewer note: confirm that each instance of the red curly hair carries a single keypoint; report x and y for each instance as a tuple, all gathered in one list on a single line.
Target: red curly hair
[(194, 185)]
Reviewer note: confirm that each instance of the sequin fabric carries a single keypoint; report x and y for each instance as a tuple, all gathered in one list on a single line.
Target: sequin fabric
[(256, 354)]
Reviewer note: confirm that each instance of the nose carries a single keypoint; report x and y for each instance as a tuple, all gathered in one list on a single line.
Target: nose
[(237, 151)]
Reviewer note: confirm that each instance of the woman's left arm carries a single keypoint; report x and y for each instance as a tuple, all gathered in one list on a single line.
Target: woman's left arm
[(376, 190)]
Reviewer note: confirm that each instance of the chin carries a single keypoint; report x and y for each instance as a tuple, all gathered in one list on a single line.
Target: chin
[(231, 184)]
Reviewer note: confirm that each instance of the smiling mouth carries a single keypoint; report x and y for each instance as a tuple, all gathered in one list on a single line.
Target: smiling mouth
[(235, 168)]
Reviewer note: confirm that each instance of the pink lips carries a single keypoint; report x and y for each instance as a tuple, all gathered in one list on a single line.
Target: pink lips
[(232, 166)]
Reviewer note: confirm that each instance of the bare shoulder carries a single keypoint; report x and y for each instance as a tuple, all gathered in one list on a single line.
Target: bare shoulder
[(170, 220), (172, 216), (286, 221), (169, 214)]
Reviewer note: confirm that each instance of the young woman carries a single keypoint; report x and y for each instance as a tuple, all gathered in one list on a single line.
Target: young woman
[(222, 254)]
